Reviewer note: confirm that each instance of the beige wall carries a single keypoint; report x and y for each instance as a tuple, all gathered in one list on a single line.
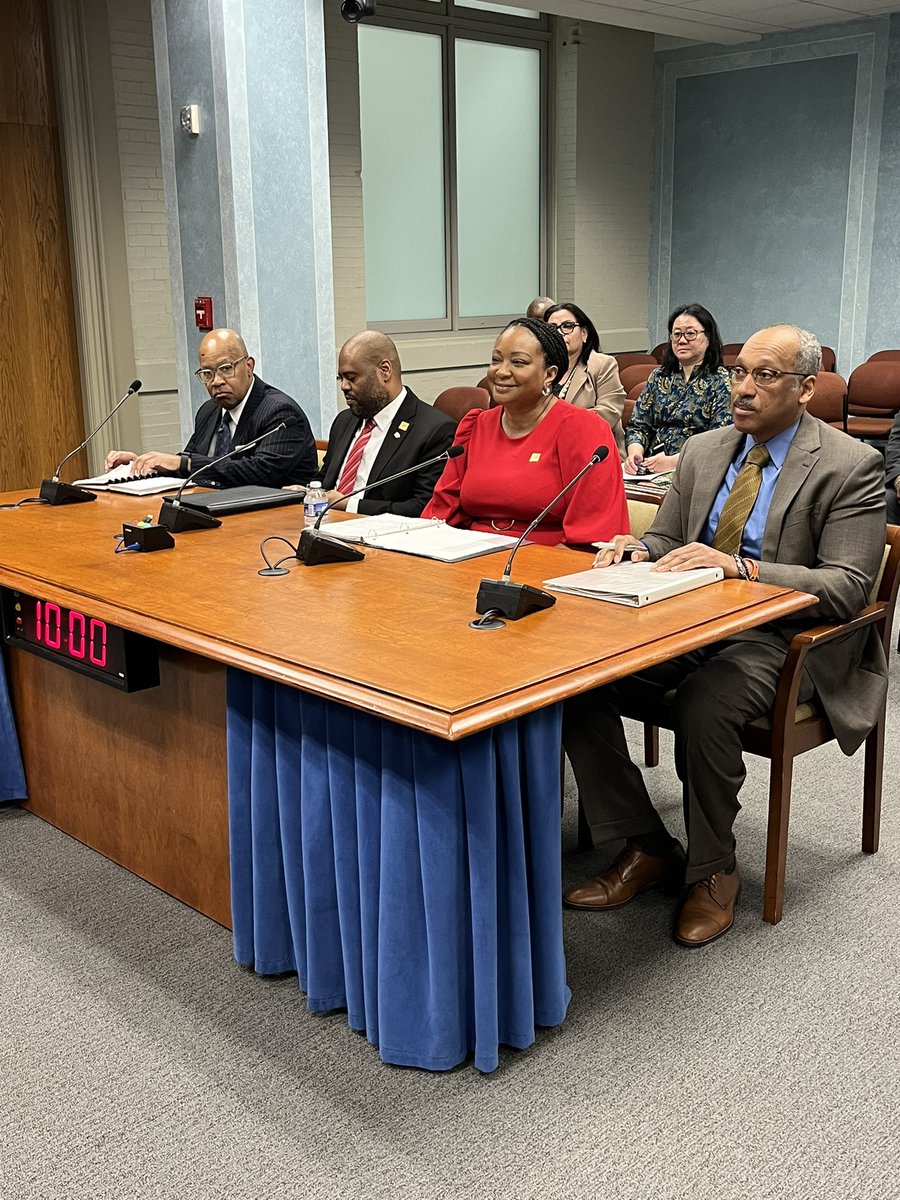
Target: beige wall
[(600, 221), (604, 178), (144, 212)]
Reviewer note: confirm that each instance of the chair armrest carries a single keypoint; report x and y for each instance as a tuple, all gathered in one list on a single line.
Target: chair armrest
[(801, 645)]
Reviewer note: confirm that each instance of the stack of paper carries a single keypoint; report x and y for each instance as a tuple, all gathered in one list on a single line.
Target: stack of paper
[(120, 479)]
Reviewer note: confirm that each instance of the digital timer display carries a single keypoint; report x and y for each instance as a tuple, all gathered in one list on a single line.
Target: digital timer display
[(77, 640)]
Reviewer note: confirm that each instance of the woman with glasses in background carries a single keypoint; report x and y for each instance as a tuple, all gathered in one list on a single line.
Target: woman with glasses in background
[(689, 393), (592, 379)]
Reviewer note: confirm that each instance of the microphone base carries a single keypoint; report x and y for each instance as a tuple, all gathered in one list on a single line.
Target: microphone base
[(179, 518), (511, 600), (53, 491), (316, 548)]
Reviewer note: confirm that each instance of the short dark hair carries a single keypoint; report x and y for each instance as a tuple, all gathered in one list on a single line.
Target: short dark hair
[(592, 341), (712, 359), (551, 342)]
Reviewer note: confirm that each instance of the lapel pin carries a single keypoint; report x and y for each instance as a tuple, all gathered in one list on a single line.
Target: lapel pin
[(535, 458), (404, 425)]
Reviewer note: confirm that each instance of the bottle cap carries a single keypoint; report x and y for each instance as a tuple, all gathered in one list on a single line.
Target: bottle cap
[(315, 483)]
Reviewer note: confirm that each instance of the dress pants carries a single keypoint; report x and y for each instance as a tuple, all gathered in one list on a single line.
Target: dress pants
[(718, 690)]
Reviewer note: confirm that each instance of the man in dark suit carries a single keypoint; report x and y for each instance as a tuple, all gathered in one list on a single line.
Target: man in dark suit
[(782, 498), (892, 473), (384, 429), (240, 408)]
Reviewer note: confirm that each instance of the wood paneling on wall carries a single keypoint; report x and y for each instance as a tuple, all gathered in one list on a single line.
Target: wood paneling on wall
[(41, 414)]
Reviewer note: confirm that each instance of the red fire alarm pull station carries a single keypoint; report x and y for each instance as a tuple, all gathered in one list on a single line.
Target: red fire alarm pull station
[(203, 314)]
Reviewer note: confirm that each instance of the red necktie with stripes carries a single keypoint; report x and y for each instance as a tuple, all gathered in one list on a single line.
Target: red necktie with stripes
[(354, 458)]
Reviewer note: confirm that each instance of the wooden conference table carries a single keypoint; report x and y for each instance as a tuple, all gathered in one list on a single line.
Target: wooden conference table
[(385, 820)]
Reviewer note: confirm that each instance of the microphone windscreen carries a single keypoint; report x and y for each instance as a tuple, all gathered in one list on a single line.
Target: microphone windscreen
[(136, 385), (455, 451), (600, 453), (290, 422)]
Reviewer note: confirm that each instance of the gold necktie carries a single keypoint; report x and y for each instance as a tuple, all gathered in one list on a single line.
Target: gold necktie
[(739, 505)]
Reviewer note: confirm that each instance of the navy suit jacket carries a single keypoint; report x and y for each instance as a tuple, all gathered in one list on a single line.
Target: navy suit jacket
[(286, 457), (417, 432)]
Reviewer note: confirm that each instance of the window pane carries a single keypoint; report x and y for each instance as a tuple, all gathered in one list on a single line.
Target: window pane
[(498, 141), (506, 9), (401, 129)]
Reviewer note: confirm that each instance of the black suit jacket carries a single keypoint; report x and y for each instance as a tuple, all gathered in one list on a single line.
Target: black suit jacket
[(417, 432), (286, 457)]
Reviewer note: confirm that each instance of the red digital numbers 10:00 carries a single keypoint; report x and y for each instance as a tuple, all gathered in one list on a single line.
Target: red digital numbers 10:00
[(85, 637)]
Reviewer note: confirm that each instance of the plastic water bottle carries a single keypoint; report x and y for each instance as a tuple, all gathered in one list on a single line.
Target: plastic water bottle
[(314, 502)]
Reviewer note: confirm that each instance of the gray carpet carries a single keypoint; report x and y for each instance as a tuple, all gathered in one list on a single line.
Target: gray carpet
[(136, 1059)]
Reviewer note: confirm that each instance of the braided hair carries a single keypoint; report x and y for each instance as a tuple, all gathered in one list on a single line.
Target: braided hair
[(551, 342)]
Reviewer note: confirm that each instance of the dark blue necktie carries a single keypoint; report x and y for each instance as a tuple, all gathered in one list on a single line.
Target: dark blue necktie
[(223, 436)]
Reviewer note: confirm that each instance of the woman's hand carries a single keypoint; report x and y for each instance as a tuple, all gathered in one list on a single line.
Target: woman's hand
[(657, 463), (634, 459)]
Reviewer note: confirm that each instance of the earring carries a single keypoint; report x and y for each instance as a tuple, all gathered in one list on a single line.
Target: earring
[(546, 390)]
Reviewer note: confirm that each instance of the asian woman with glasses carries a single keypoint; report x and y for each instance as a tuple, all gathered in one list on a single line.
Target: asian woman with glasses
[(689, 393)]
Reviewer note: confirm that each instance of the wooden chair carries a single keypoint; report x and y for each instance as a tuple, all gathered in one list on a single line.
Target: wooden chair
[(321, 450), (793, 729), (637, 373), (457, 401), (658, 351), (828, 401), (829, 359), (873, 399), (884, 356)]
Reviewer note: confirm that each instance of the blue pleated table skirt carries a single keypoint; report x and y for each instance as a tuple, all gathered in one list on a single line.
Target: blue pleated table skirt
[(411, 880), (12, 776)]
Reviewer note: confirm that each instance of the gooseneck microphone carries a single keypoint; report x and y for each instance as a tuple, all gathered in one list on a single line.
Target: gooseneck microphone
[(315, 547), (179, 517), (503, 598), (54, 491)]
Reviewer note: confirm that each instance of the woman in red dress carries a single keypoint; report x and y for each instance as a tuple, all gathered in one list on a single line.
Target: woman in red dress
[(519, 455)]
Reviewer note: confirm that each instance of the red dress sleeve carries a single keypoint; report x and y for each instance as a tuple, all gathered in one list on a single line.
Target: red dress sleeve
[(444, 504), (597, 508)]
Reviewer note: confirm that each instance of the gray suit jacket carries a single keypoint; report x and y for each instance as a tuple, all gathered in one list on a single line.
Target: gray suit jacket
[(824, 535)]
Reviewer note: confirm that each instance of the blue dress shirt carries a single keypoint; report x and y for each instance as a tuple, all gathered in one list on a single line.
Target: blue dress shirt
[(751, 542)]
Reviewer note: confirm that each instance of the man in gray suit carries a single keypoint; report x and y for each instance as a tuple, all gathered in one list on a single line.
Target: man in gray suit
[(782, 498)]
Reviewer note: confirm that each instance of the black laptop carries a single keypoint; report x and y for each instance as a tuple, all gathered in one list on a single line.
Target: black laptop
[(241, 499)]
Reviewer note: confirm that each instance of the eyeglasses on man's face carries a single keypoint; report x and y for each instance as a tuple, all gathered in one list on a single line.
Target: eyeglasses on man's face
[(566, 327), (762, 376), (226, 370), (685, 335)]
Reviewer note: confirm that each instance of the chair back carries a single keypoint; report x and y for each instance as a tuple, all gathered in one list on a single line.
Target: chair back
[(457, 401), (632, 358), (658, 351), (884, 356), (828, 400), (321, 450), (640, 516), (637, 373), (873, 398), (829, 359)]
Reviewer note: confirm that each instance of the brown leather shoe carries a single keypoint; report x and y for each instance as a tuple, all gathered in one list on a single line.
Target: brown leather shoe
[(708, 910), (633, 872)]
